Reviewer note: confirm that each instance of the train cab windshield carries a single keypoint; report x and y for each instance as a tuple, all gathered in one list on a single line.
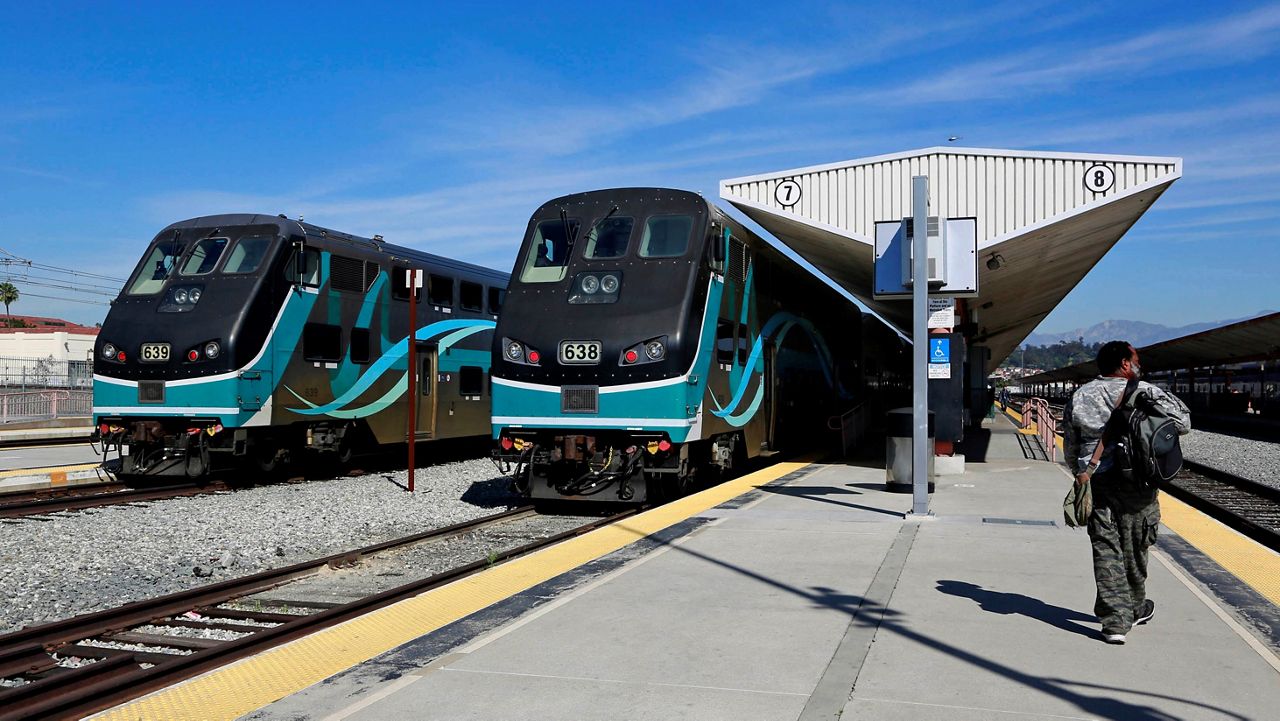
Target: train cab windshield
[(156, 267), (551, 247), (237, 251), (548, 256)]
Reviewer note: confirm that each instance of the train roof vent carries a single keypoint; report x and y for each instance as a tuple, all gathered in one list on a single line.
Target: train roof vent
[(346, 274), (739, 260), (352, 275)]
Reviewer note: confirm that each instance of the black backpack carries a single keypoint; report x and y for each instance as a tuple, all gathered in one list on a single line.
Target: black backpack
[(1147, 452)]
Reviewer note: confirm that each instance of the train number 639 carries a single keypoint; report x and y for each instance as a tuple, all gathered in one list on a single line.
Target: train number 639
[(583, 352)]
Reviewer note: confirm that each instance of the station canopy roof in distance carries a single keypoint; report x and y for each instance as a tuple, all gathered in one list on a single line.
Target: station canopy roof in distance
[(1040, 228), (1256, 339)]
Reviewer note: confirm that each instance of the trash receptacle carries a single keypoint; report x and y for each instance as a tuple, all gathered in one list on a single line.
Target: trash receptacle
[(897, 450)]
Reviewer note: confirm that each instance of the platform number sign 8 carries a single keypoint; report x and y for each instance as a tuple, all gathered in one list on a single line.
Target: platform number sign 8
[(787, 193), (1099, 178)]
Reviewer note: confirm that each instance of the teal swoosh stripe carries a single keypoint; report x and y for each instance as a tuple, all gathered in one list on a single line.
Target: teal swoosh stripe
[(787, 321), (388, 359)]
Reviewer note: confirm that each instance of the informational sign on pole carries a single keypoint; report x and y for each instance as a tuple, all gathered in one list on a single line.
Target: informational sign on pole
[(413, 281), (942, 313)]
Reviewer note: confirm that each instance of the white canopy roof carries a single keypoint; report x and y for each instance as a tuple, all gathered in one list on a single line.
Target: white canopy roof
[(1034, 211)]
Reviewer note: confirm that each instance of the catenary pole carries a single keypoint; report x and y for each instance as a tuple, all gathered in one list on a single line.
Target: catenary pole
[(920, 345)]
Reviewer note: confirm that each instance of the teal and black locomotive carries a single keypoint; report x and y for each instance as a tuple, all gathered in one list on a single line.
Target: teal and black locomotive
[(257, 339), (648, 338)]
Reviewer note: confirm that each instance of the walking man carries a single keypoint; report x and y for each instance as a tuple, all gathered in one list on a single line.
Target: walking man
[(1125, 516)]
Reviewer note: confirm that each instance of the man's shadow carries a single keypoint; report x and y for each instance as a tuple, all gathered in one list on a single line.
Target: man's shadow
[(1007, 603)]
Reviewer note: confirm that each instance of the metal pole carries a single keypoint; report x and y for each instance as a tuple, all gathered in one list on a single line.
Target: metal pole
[(413, 368), (920, 346)]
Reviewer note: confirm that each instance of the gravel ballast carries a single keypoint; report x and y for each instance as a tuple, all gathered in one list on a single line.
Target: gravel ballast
[(69, 563), (1256, 460)]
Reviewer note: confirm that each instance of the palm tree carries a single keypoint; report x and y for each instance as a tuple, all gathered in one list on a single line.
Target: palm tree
[(8, 294)]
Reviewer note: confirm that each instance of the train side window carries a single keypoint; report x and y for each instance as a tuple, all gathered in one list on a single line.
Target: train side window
[(666, 236), (471, 296), (724, 341), (471, 381), (311, 273), (744, 343), (204, 256), (359, 349), (496, 297), (400, 284), (322, 342), (440, 290), (424, 380)]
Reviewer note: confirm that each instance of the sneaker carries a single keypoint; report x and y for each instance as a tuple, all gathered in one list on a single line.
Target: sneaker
[(1148, 610), (1112, 636)]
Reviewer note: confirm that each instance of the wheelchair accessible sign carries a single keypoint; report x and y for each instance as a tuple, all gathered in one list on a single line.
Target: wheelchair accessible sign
[(939, 358)]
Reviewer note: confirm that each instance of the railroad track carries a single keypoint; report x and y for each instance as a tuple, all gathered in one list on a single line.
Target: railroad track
[(1250, 507), (93, 495), (118, 675)]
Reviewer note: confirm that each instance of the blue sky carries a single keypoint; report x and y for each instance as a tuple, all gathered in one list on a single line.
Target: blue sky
[(444, 126)]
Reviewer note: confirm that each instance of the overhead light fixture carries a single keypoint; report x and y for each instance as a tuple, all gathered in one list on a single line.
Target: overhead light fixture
[(995, 262)]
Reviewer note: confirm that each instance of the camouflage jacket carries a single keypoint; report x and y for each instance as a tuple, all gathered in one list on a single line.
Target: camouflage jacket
[(1090, 408)]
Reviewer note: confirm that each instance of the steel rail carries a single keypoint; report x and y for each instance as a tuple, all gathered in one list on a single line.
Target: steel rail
[(80, 501), (76, 693), (79, 489)]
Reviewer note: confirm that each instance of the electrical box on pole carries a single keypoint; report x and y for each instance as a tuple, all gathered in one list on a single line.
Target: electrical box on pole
[(936, 255)]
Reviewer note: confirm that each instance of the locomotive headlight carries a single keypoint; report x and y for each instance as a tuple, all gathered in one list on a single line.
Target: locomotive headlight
[(194, 294), (180, 296), (609, 284), (212, 349), (590, 284), (514, 350), (108, 351), (655, 350)]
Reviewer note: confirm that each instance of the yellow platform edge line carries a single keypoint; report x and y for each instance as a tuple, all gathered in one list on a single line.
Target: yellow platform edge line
[(1246, 559), (48, 470), (248, 685)]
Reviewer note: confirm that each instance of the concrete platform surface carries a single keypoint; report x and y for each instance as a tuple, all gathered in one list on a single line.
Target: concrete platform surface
[(817, 598)]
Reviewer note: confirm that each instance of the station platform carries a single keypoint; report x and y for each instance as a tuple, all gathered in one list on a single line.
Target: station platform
[(804, 591)]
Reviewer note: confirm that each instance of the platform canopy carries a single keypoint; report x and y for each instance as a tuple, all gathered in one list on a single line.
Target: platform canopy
[(1256, 339), (1043, 221)]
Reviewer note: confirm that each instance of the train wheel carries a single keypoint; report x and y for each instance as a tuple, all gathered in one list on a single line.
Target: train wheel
[(268, 457)]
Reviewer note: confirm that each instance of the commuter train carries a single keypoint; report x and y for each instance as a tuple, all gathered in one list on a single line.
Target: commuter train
[(256, 339), (649, 340)]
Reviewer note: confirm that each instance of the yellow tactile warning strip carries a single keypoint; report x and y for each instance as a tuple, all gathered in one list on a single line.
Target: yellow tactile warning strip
[(48, 471), (1241, 556), (242, 687)]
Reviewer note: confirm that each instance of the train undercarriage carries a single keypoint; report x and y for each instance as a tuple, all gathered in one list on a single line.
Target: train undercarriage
[(194, 448), (604, 466)]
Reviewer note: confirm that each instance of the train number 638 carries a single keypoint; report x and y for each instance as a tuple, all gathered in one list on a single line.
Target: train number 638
[(582, 352)]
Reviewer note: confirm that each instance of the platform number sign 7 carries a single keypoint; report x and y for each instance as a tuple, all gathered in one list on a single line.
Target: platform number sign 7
[(787, 193), (1099, 178)]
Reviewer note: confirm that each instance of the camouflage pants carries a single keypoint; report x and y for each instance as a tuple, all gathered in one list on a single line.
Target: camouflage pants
[(1123, 526)]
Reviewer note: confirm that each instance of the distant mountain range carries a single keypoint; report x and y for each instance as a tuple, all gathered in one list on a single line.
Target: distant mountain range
[(1135, 331)]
